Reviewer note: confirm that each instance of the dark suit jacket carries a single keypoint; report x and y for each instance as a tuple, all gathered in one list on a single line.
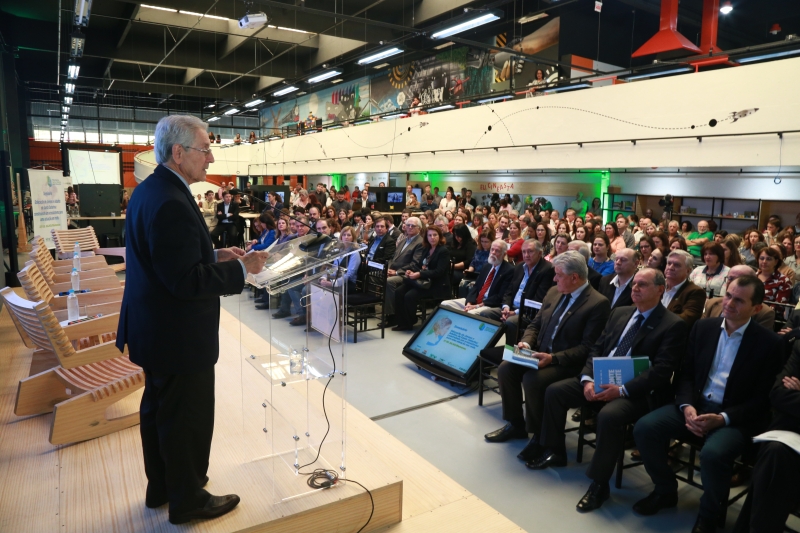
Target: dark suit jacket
[(537, 286), (786, 402), (412, 255), (395, 233), (233, 210), (662, 338), (438, 272), (385, 250), (765, 317), (580, 326), (594, 278), (746, 399), (170, 308), (608, 290), (688, 303), (498, 288)]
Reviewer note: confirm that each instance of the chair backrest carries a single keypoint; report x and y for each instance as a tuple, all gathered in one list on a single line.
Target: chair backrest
[(41, 256), (22, 333), (375, 278), (65, 239), (34, 284), (40, 324)]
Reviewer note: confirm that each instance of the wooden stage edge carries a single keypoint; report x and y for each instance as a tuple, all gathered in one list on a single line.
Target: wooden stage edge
[(99, 485)]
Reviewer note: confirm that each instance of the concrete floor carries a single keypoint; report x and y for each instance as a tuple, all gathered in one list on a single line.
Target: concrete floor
[(449, 434)]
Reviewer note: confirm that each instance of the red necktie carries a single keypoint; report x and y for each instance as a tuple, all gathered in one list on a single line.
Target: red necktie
[(486, 285)]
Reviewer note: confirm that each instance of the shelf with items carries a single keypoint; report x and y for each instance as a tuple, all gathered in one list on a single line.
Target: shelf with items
[(614, 203), (729, 214)]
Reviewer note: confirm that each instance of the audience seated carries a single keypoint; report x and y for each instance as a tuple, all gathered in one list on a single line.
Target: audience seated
[(265, 225), (381, 247), (645, 329), (407, 256), (617, 285), (492, 283), (561, 334), (722, 398)]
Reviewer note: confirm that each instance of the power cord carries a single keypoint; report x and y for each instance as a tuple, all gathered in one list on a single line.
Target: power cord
[(322, 478)]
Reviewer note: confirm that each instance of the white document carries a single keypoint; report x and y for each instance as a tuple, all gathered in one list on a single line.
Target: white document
[(533, 304), (789, 438)]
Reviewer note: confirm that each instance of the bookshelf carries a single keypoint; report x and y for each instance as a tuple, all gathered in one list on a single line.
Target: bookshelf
[(614, 203)]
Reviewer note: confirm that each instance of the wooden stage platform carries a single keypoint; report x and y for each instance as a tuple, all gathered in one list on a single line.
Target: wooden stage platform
[(99, 485)]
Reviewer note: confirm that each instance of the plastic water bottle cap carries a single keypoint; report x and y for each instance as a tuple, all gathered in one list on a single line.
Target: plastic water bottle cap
[(72, 291), (74, 269)]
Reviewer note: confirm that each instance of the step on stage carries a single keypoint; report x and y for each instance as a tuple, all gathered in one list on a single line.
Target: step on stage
[(99, 485)]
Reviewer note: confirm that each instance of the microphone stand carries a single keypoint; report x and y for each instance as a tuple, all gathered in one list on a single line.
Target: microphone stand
[(320, 239)]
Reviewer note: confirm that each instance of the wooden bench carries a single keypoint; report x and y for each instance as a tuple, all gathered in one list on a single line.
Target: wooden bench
[(87, 239)]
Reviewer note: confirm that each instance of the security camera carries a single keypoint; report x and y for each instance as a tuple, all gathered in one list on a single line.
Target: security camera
[(253, 20)]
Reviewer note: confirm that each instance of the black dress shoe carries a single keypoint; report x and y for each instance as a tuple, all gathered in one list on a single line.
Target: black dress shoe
[(506, 433), (547, 459), (390, 321), (152, 502), (531, 452), (216, 506), (298, 321), (264, 305), (402, 328), (704, 525), (594, 497), (654, 503), (576, 416), (279, 314)]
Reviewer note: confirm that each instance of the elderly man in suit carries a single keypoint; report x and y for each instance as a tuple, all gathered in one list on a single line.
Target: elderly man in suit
[(765, 317), (407, 255), (174, 278), (617, 286), (532, 279), (681, 296), (571, 319), (644, 329), (492, 283), (722, 399)]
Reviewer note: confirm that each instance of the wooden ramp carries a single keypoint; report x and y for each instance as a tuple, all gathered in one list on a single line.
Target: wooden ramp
[(99, 485)]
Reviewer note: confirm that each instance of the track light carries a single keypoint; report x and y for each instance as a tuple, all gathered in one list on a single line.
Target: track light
[(466, 22), (567, 88), (231, 111), (377, 56), (69, 88), (324, 76), (213, 119), (254, 102), (64, 109), (68, 100), (72, 71), (285, 90)]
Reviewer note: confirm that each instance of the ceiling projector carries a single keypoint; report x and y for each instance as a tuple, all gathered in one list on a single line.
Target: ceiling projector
[(253, 20)]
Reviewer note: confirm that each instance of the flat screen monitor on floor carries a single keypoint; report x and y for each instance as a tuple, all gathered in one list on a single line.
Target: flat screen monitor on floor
[(450, 341)]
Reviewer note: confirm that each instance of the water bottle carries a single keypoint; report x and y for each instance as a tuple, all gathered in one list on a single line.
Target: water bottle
[(75, 279), (76, 249), (72, 307), (295, 362), (76, 261)]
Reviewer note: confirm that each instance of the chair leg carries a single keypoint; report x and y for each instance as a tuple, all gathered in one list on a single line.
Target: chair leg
[(39, 394), (690, 470), (356, 318), (620, 461), (581, 430), (480, 382), (83, 418)]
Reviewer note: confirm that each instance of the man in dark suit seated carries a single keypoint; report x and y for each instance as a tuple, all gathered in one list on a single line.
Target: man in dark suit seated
[(722, 398), (174, 279), (571, 319), (407, 255), (617, 286), (380, 248), (582, 248), (774, 490), (682, 297), (646, 329), (227, 221), (765, 317), (533, 277), (492, 283)]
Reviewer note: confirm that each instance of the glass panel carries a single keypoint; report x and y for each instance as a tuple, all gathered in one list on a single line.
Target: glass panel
[(109, 138), (92, 137)]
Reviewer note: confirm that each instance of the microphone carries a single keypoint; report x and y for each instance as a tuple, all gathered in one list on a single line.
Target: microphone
[(320, 238)]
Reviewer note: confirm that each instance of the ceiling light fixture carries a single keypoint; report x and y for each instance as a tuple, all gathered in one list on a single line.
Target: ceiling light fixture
[(202, 15), (285, 90), (292, 29), (65, 116), (657, 74), (531, 18), (69, 88), (469, 21), (383, 54), (382, 65), (769, 56), (68, 100), (444, 45), (72, 71), (64, 109), (209, 106), (726, 8), (83, 9), (324, 76), (254, 102), (76, 44), (213, 119), (231, 111), (440, 108), (160, 8)]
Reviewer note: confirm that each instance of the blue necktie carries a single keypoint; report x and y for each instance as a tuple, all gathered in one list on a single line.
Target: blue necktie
[(552, 327), (627, 341)]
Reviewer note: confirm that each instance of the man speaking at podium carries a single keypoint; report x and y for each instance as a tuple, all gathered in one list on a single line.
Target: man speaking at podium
[(170, 307)]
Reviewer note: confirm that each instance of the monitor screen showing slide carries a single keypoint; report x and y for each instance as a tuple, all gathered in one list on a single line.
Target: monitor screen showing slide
[(94, 168), (394, 198), (453, 339)]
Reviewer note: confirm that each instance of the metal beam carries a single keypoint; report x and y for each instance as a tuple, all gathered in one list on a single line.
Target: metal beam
[(128, 25), (191, 75)]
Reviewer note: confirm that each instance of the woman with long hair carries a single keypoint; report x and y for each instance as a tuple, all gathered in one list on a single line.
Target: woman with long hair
[(542, 234), (792, 259), (344, 220), (560, 245), (595, 209), (784, 269), (686, 228), (777, 287), (481, 252), (750, 238), (448, 203), (431, 281), (616, 242), (351, 262), (514, 242), (678, 243), (646, 247), (601, 246), (732, 256), (661, 241), (282, 231), (462, 252), (580, 234)]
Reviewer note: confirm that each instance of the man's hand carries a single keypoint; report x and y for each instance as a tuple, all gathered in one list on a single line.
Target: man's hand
[(412, 275), (784, 331), (391, 272), (791, 382), (610, 392), (507, 312), (709, 422), (254, 261), (524, 345), (229, 254), (470, 307), (690, 415), (588, 391), (544, 359)]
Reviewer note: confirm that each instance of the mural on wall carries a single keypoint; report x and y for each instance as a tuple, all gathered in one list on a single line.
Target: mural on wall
[(542, 42), (334, 104)]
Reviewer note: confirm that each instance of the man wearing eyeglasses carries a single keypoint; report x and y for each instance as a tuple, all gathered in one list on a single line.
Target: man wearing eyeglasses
[(174, 279)]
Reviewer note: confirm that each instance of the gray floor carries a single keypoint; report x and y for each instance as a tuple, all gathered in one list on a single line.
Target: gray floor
[(449, 434)]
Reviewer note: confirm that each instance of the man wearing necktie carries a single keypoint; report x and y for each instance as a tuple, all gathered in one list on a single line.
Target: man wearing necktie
[(644, 329), (492, 283)]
